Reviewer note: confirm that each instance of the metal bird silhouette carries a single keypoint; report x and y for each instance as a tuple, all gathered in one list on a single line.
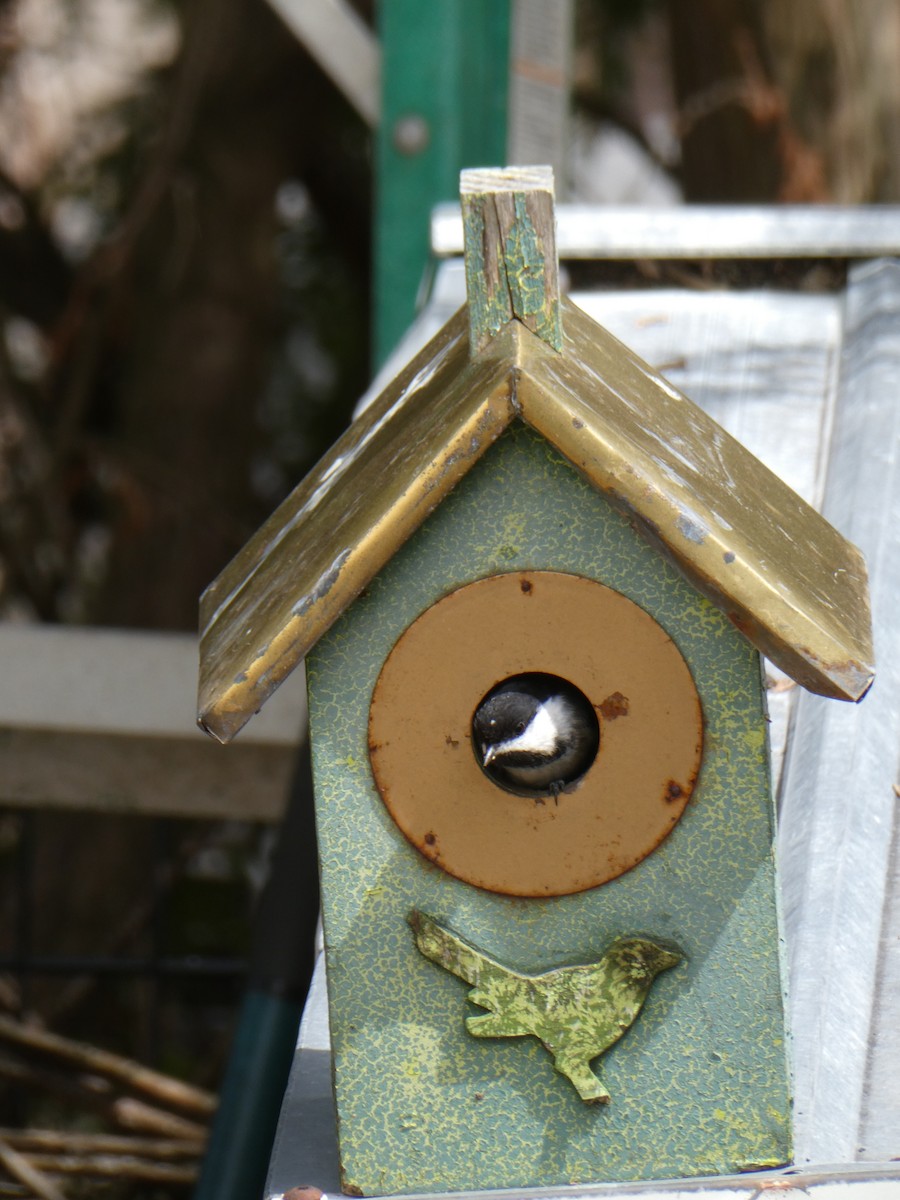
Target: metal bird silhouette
[(577, 1012)]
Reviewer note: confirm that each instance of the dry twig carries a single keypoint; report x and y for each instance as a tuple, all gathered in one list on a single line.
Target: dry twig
[(124, 1071), (97, 1166), (64, 1141), (18, 1166), (97, 1095)]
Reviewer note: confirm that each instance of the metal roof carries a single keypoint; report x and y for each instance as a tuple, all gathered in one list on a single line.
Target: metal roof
[(793, 585)]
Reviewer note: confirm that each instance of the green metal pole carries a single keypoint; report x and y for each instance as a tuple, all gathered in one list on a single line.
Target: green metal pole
[(262, 1049), (445, 72), (258, 1067)]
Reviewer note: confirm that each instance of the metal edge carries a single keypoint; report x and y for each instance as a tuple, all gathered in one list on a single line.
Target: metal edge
[(654, 453), (319, 550)]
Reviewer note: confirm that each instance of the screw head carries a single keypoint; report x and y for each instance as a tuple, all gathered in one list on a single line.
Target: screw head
[(411, 134)]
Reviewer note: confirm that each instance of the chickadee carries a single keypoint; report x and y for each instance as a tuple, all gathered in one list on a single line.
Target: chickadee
[(535, 734)]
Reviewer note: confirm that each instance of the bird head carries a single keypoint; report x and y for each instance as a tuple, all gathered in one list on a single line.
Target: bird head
[(642, 960), (528, 723), (513, 722)]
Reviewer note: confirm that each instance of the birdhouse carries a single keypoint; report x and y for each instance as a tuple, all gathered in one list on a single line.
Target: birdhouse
[(531, 584)]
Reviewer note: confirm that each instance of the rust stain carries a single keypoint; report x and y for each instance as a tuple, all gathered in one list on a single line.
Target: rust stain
[(856, 676), (428, 846), (674, 791), (444, 838), (615, 705), (617, 865), (742, 623)]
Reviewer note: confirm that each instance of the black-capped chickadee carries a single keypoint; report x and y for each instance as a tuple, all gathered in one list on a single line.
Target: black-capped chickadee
[(535, 734)]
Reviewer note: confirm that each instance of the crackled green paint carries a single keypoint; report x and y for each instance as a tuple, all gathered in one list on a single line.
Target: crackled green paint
[(576, 1012), (525, 271), (519, 287), (699, 1083)]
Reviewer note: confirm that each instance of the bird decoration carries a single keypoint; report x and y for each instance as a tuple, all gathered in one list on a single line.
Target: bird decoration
[(577, 1012), (536, 734)]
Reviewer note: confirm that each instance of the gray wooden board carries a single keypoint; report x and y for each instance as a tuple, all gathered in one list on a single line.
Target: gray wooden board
[(809, 384), (105, 719)]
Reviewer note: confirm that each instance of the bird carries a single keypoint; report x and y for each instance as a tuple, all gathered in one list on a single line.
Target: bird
[(577, 1012), (535, 734)]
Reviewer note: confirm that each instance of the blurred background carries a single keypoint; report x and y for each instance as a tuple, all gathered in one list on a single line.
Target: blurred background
[(186, 322)]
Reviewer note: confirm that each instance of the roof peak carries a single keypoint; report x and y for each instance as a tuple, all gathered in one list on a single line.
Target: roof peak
[(733, 527)]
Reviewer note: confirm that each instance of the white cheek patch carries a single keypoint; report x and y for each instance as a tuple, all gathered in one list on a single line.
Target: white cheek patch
[(539, 736)]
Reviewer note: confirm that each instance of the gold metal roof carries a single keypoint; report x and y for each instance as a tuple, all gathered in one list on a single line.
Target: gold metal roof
[(789, 581), (336, 530)]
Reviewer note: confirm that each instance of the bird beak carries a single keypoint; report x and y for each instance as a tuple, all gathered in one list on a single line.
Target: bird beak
[(668, 959), (489, 754)]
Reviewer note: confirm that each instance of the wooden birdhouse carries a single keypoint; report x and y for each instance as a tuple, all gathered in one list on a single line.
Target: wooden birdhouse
[(552, 956)]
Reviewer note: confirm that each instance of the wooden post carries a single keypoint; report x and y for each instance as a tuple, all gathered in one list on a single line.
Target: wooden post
[(510, 247)]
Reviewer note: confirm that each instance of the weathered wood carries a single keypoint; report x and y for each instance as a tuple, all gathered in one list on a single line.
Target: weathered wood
[(510, 249), (143, 776)]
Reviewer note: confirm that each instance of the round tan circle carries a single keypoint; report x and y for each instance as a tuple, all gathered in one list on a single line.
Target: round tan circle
[(651, 733)]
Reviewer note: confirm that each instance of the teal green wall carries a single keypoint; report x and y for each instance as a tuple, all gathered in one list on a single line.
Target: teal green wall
[(699, 1083), (445, 65)]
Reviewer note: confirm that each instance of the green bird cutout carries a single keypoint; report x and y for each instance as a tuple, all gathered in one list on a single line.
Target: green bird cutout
[(577, 1012)]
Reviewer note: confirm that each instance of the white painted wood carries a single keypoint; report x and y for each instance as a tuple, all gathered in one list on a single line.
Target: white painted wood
[(116, 681), (343, 46), (705, 231)]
